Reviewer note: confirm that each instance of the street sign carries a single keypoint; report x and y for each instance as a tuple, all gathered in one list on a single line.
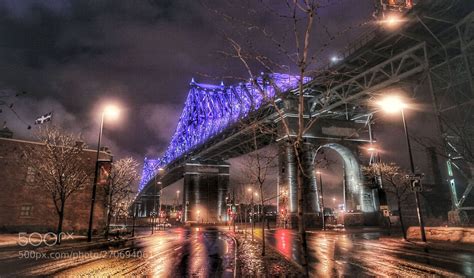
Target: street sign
[(415, 182)]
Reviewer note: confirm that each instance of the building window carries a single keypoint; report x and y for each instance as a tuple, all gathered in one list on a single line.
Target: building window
[(30, 175), (25, 210)]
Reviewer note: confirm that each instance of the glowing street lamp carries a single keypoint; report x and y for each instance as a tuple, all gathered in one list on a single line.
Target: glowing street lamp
[(392, 20), (111, 112), (371, 149), (394, 104)]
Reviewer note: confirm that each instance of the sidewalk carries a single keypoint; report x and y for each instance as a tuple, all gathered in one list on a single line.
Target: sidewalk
[(251, 263)]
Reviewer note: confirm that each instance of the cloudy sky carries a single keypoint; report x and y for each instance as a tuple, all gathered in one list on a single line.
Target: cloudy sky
[(71, 57)]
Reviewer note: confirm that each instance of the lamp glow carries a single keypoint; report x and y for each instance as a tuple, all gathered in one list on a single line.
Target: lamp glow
[(372, 149), (392, 104), (111, 111), (392, 20)]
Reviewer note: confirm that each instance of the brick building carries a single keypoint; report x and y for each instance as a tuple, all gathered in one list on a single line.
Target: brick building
[(25, 207)]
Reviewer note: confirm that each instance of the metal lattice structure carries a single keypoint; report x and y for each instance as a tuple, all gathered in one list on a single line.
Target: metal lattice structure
[(434, 47), (210, 109), (453, 97)]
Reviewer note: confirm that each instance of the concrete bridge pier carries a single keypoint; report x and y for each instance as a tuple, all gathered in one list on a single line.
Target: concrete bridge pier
[(288, 188), (205, 188)]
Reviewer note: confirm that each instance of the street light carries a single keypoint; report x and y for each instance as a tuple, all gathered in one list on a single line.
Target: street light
[(177, 200), (392, 20), (321, 197), (394, 104), (112, 112)]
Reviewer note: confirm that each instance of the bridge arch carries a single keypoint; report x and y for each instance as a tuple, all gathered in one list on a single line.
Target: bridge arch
[(357, 196)]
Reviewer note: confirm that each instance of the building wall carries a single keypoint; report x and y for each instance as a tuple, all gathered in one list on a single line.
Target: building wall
[(27, 207)]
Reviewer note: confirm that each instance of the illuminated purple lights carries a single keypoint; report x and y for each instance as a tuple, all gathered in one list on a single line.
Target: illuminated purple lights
[(210, 109)]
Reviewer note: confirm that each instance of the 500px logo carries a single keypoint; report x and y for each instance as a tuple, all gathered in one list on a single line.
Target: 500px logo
[(36, 239)]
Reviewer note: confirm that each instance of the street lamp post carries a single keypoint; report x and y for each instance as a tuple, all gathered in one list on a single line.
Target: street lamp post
[(393, 104), (113, 112), (252, 218), (322, 199), (177, 200)]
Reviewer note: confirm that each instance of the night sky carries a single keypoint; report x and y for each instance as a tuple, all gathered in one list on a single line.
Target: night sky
[(73, 56)]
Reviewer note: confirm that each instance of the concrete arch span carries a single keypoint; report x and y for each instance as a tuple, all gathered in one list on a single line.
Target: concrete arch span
[(358, 196)]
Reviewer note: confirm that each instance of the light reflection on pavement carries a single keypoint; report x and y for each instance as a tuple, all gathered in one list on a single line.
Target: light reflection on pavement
[(367, 254), (176, 252)]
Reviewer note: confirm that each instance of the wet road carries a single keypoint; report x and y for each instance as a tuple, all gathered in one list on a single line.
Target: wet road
[(173, 253), (334, 254)]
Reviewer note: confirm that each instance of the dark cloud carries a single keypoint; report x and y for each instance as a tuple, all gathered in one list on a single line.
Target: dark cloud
[(73, 56)]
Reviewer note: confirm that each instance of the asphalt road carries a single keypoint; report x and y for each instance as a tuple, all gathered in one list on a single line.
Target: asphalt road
[(366, 254), (172, 253)]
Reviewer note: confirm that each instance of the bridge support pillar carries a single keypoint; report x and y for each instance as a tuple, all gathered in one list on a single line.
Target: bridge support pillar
[(288, 188), (205, 188)]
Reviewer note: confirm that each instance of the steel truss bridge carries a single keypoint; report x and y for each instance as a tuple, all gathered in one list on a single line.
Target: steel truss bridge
[(431, 52)]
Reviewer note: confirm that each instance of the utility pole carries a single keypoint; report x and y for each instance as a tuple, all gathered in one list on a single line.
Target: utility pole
[(233, 205), (252, 219)]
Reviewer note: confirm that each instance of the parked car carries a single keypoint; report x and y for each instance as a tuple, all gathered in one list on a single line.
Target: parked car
[(165, 225), (117, 229)]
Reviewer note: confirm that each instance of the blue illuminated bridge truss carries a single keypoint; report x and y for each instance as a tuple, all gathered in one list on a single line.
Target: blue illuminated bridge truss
[(210, 109)]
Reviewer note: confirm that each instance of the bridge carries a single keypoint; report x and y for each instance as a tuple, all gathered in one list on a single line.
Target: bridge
[(431, 52)]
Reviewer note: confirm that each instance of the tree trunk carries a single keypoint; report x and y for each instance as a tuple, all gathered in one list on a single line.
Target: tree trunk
[(402, 226), (263, 221), (107, 226), (60, 222), (301, 220)]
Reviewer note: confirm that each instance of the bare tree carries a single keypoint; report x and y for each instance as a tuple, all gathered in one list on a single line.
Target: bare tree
[(288, 49), (60, 167), (300, 16), (118, 190), (258, 164), (395, 182)]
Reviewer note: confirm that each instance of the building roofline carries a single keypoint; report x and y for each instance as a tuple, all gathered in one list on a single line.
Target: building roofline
[(42, 144)]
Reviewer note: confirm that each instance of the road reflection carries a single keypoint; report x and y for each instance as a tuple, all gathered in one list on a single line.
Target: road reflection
[(181, 252), (284, 242), (353, 254)]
